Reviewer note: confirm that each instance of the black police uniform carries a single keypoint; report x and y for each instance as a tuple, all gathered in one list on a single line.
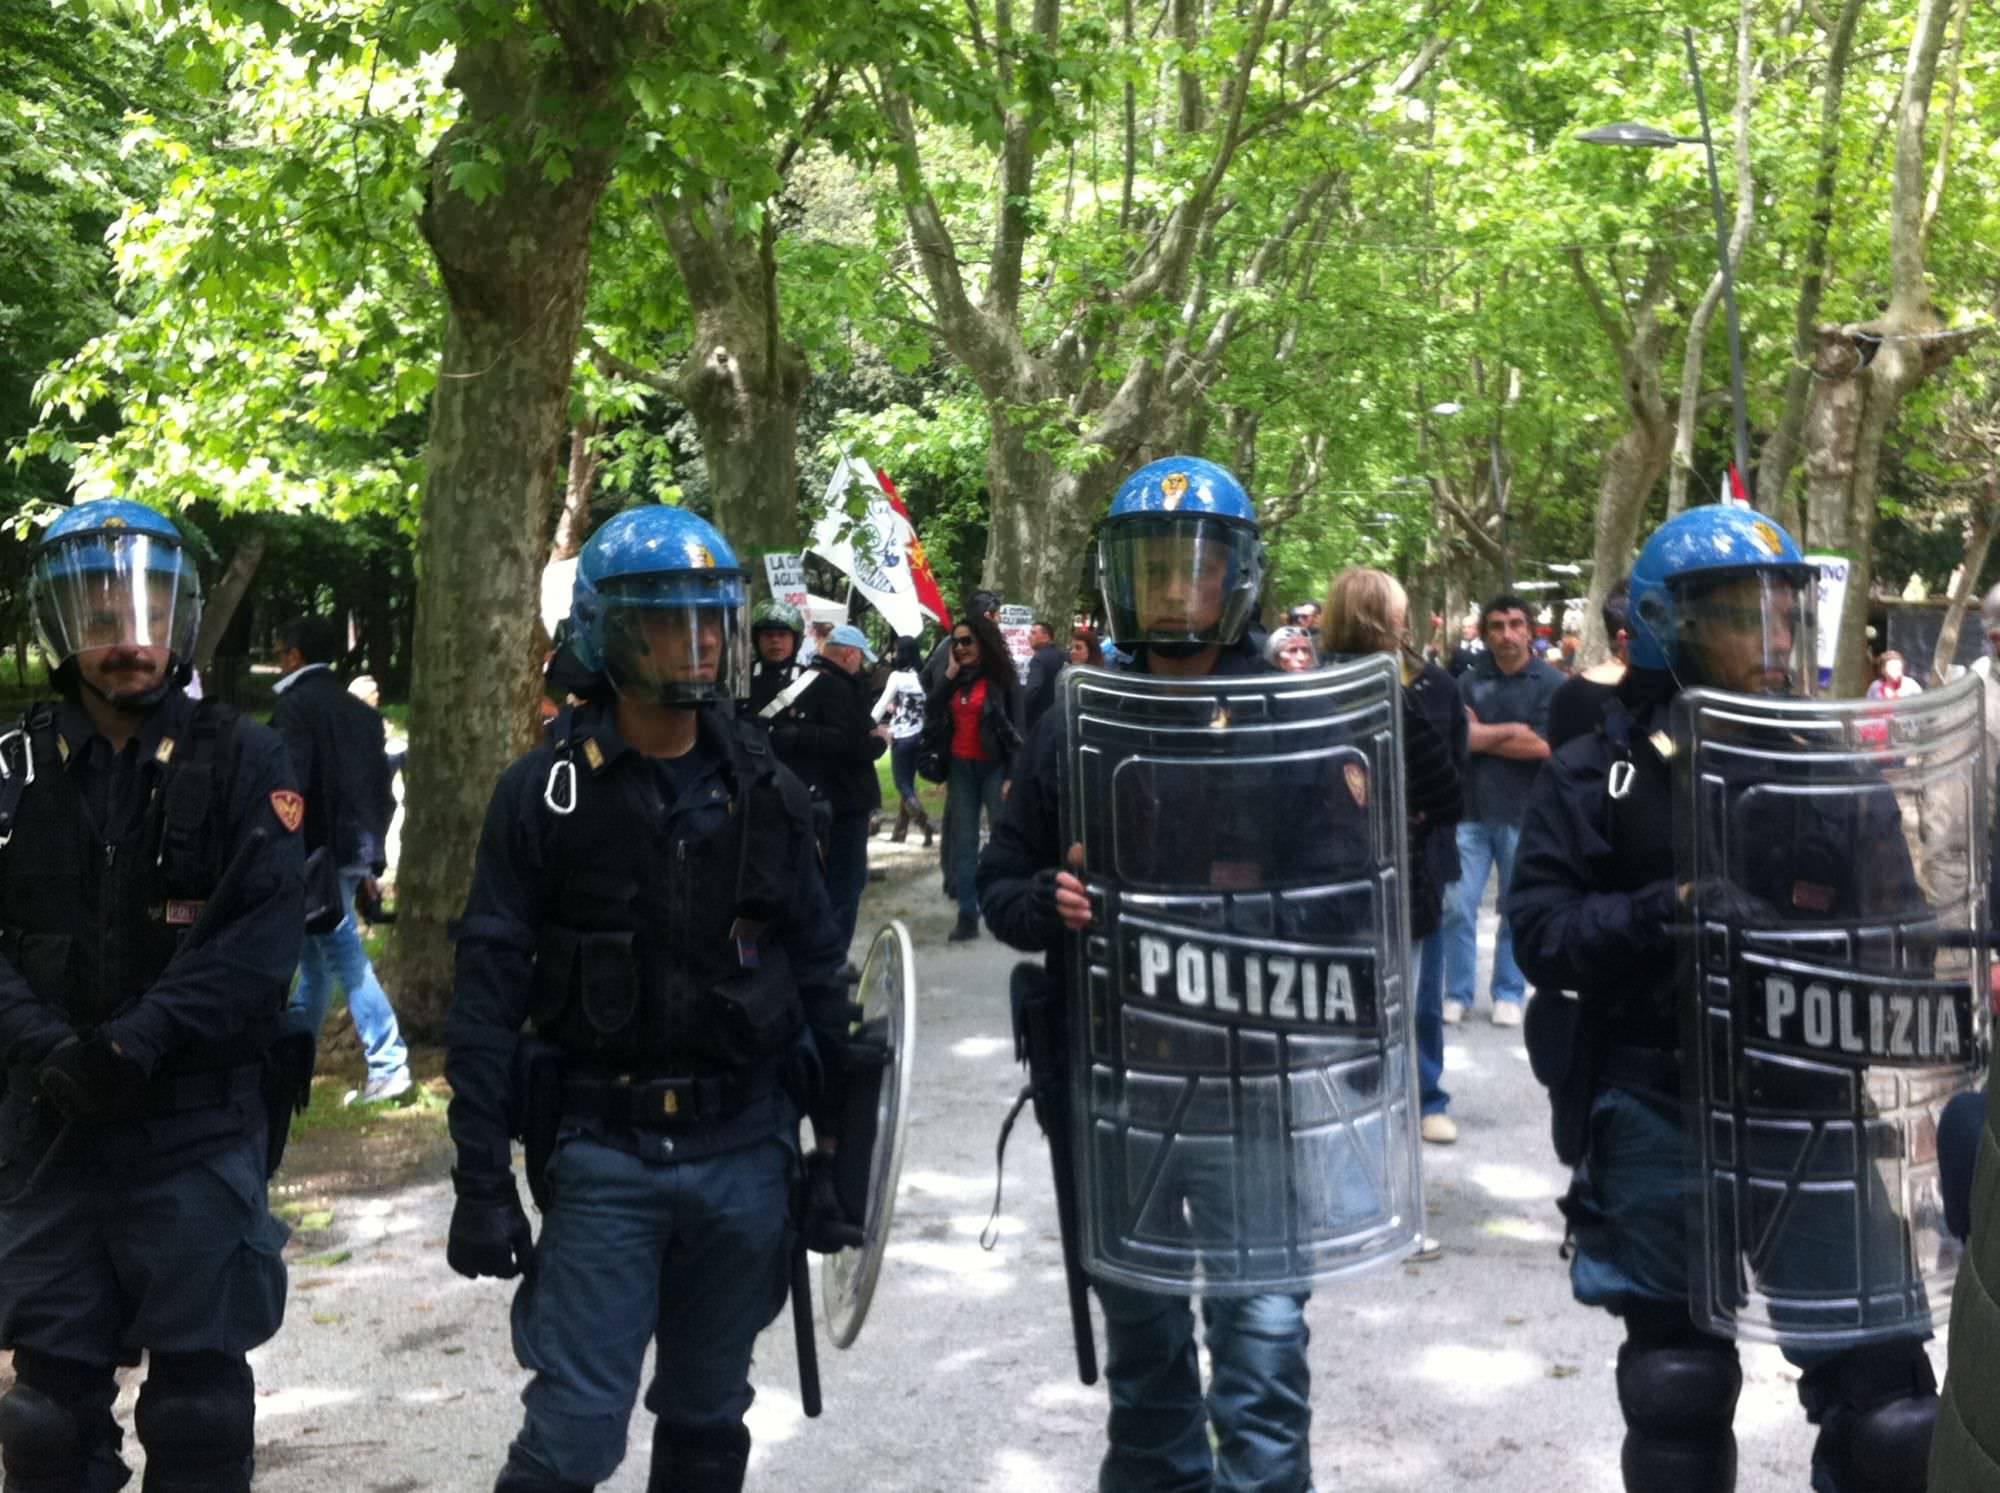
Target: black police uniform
[(1159, 1428), (827, 737), (1592, 904), (662, 926), (141, 1226), (768, 681)]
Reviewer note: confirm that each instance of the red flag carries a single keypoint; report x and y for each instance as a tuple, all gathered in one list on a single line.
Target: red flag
[(929, 597)]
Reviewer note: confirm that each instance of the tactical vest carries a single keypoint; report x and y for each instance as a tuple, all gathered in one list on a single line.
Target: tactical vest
[(1639, 824), (90, 922), (658, 952)]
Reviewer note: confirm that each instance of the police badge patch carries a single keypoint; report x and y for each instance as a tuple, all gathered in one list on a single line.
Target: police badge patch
[(1357, 783), (1173, 487), (290, 808)]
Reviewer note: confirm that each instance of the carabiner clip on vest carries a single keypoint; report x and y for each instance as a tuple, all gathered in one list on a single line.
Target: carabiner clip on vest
[(1619, 783), (559, 793), (11, 789)]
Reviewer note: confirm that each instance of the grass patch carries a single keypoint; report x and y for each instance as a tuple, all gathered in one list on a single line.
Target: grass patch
[(424, 1106)]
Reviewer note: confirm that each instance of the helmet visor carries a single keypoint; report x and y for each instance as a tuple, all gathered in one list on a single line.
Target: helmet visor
[(1750, 632), (679, 639), (102, 592), (1176, 579)]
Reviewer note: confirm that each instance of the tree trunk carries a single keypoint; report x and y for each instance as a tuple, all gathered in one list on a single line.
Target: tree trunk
[(573, 522), (515, 266), (742, 380), (219, 610), (1872, 368), (1774, 464), (1984, 524)]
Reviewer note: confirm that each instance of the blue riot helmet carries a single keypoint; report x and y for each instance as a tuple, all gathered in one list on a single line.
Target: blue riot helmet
[(660, 608), (1722, 597), (111, 580), (1179, 557)]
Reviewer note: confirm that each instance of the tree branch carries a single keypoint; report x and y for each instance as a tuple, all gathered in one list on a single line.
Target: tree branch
[(1606, 322)]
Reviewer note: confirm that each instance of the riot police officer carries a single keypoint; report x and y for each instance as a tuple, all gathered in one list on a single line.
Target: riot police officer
[(1180, 560), (150, 921), (1720, 597), (647, 900)]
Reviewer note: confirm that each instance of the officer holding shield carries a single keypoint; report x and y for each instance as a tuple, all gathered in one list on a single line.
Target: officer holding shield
[(1180, 561), (1722, 599), (150, 921), (647, 901)]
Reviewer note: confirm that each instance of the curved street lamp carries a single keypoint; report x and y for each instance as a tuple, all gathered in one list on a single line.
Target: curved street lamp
[(1650, 137)]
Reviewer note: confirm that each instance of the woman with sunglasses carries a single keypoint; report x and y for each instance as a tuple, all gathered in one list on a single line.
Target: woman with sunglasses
[(978, 701)]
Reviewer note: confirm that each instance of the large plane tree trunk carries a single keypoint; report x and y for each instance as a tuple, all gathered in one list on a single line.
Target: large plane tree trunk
[(515, 266)]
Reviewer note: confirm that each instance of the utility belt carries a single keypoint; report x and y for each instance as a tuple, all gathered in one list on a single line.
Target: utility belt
[(666, 1104)]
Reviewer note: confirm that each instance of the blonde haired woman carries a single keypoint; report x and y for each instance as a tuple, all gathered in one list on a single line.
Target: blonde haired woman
[(1366, 611)]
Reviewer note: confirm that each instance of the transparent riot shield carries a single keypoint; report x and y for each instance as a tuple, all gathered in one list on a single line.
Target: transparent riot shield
[(1243, 1087), (883, 1048), (1834, 855)]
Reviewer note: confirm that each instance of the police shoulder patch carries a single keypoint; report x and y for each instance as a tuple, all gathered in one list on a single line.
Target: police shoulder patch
[(290, 807), (1357, 783)]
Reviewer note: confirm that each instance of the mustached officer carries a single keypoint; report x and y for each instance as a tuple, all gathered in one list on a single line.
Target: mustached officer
[(1180, 560), (647, 902), (1721, 598), (150, 920)]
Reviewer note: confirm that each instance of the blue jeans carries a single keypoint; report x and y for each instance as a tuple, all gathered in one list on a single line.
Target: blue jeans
[(325, 958), (903, 754), (1430, 1021), (1259, 1400), (1482, 848), (690, 1256), (974, 784)]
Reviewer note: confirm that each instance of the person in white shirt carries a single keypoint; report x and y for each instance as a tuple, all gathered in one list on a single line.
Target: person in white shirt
[(902, 706)]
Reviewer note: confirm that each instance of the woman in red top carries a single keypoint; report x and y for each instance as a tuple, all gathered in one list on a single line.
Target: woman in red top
[(979, 701)]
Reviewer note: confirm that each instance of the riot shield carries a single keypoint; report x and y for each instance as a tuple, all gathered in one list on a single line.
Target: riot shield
[(1835, 859), (881, 1048), (1243, 1089)]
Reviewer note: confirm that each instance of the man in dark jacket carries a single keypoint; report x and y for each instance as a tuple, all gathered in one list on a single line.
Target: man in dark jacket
[(1043, 667), (149, 923), (828, 737), (338, 750)]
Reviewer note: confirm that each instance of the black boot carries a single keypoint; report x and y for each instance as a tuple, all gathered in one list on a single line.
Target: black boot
[(688, 1461), (902, 830), (966, 930)]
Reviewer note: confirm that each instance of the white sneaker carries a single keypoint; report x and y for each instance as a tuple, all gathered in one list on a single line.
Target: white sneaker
[(1506, 1013), (1439, 1129), (381, 1090), (1427, 1250), (1454, 1012)]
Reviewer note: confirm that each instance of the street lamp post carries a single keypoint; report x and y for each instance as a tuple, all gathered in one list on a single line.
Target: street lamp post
[(1646, 136)]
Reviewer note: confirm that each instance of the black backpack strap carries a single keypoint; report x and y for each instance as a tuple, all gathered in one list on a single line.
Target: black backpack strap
[(198, 777)]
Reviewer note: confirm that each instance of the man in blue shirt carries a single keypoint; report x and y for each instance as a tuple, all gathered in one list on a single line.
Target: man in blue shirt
[(1507, 692)]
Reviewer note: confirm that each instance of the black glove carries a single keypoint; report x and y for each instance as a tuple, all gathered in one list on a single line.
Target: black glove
[(91, 1081), (1042, 903), (490, 1233), (1722, 899), (826, 1226)]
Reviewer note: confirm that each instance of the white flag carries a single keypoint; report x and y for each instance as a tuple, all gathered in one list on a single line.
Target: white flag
[(873, 551)]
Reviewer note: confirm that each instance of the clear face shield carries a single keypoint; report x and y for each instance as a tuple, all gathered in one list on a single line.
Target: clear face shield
[(104, 596), (680, 639), (1751, 633), (1172, 579)]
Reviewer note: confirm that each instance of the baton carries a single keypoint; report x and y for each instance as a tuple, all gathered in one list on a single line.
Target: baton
[(802, 1333), (204, 926)]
